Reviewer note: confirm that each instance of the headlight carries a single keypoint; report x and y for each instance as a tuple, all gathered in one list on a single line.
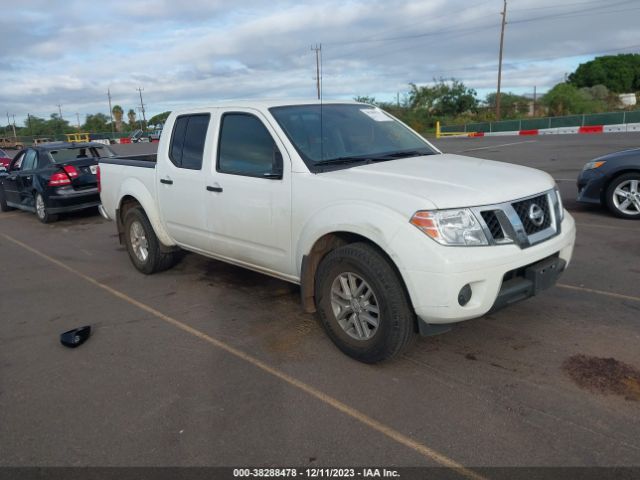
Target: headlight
[(594, 164), (450, 227), (560, 207)]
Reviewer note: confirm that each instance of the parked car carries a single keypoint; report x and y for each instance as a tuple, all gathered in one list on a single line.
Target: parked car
[(53, 178), (385, 234), (613, 181), (5, 160), (10, 143)]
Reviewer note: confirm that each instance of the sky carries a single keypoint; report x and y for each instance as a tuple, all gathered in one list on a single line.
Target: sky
[(197, 52)]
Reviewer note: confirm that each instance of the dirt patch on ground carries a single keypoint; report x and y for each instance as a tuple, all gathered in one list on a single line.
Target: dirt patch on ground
[(604, 375)]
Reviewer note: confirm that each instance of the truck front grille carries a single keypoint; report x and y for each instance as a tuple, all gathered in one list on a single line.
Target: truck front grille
[(524, 222), (524, 210), (491, 219)]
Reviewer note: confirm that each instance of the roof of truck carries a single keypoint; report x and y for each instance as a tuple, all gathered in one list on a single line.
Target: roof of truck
[(267, 103)]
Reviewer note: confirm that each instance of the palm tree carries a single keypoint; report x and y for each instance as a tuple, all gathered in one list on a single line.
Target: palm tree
[(132, 117), (117, 114)]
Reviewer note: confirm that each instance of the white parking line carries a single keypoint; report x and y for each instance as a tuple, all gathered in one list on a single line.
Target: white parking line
[(496, 146)]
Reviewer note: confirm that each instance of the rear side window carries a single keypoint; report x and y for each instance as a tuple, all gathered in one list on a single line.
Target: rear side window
[(246, 146), (187, 142)]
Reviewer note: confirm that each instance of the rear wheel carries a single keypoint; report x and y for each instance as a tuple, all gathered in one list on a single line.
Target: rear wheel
[(42, 211), (3, 201), (623, 196), (143, 244), (362, 303)]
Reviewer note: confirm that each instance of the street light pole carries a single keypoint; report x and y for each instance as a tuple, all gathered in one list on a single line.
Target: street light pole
[(504, 21)]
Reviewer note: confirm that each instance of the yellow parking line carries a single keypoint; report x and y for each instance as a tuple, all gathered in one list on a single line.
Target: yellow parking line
[(599, 292), (314, 392)]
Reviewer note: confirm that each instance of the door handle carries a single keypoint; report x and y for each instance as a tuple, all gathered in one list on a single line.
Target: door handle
[(166, 181), (214, 189)]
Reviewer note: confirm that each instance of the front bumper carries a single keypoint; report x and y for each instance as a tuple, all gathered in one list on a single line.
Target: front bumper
[(69, 200), (488, 271), (591, 185)]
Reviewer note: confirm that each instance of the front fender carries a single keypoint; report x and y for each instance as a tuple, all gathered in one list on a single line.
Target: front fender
[(132, 187), (377, 223)]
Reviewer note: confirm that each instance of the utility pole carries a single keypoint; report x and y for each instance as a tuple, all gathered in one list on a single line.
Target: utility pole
[(535, 98), (318, 50), (78, 118), (142, 106), (398, 99), (504, 21), (14, 126), (110, 113), (29, 123), (60, 111)]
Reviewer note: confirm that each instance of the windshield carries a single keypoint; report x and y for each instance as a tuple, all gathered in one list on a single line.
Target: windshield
[(350, 133)]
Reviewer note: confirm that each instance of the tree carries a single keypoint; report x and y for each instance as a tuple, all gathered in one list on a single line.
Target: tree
[(159, 119), (117, 114), (131, 115), (619, 73), (444, 98), (366, 99), (96, 123), (565, 99), (511, 105)]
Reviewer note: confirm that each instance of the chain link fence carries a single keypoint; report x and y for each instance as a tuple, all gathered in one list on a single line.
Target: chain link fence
[(610, 118)]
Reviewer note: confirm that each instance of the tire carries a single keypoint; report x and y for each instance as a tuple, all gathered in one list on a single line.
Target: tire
[(362, 263), (3, 201), (628, 188), (42, 212), (140, 238)]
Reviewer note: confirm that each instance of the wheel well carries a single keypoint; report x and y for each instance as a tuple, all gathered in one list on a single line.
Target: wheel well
[(320, 249), (617, 174), (127, 203)]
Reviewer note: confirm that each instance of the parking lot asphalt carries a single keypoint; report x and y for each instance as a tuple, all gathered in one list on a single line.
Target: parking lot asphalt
[(209, 364)]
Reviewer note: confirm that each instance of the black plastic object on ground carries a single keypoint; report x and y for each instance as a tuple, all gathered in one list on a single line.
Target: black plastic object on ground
[(76, 337)]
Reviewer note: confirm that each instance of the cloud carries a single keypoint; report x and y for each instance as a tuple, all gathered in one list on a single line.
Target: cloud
[(201, 51)]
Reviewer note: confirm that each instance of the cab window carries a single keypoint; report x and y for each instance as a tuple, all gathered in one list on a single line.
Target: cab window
[(246, 147)]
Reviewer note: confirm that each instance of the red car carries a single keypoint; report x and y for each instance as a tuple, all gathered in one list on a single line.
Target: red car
[(4, 159)]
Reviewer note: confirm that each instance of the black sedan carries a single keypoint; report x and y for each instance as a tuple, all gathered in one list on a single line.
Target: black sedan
[(53, 178), (613, 181)]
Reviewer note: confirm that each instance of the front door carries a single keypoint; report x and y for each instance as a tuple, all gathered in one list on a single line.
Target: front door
[(249, 194), (181, 189), (10, 182)]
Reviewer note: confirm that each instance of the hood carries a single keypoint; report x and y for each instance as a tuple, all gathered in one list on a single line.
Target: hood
[(450, 181)]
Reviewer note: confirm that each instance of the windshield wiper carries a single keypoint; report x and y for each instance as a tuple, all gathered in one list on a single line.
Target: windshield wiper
[(344, 161), (400, 154)]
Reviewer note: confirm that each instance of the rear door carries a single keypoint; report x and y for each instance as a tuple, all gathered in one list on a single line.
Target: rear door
[(25, 177), (249, 194), (181, 189)]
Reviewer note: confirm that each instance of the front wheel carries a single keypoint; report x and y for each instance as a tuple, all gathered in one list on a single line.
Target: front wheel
[(623, 196), (362, 303), (42, 211), (143, 244)]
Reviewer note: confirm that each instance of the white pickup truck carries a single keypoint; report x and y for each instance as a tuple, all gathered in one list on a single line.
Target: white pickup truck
[(386, 235)]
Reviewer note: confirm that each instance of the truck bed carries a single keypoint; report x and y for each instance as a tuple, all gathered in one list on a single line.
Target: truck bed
[(145, 160)]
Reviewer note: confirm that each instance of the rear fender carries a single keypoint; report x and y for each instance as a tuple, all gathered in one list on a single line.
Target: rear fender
[(132, 187)]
